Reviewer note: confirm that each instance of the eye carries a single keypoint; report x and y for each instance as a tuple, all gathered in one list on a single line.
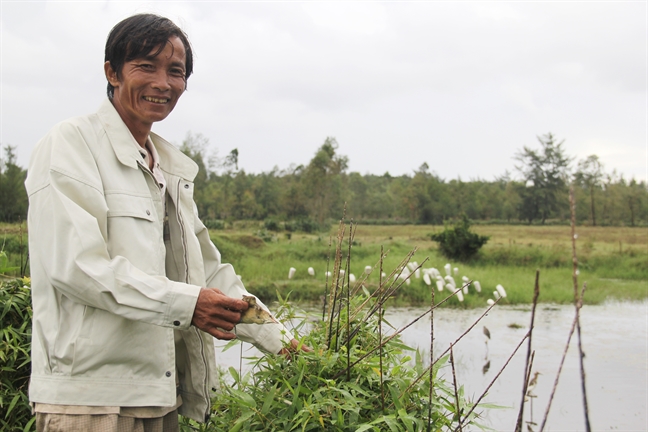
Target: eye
[(177, 72), (147, 67)]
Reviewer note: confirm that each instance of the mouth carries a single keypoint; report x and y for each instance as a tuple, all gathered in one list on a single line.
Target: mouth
[(156, 100)]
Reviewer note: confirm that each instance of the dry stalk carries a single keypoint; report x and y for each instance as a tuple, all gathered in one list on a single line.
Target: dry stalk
[(493, 381), (382, 385), (577, 301), (562, 360), (335, 286), (431, 379), (454, 385), (527, 368), (326, 283)]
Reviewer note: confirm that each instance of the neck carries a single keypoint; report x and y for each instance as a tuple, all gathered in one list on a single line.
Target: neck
[(139, 130)]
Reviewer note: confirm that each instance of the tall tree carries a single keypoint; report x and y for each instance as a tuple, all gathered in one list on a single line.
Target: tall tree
[(545, 171), (323, 181), (589, 175), (13, 197)]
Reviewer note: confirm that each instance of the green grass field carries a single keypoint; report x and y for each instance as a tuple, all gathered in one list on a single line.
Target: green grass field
[(613, 261)]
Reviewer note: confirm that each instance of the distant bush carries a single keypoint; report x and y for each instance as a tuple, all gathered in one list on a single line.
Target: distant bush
[(458, 242), (215, 224), (271, 224), (15, 354), (306, 225)]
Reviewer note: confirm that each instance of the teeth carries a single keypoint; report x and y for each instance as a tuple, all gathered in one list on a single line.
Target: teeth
[(155, 100)]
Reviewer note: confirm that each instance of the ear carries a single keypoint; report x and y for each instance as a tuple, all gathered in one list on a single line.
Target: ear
[(111, 75)]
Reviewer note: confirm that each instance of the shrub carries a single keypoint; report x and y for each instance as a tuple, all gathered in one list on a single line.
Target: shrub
[(15, 355), (458, 242), (214, 224)]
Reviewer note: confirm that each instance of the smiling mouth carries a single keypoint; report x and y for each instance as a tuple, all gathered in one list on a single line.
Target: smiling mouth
[(156, 100)]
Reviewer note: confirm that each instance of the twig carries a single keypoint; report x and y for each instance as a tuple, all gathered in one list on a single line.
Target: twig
[(328, 262), (348, 323), (527, 368), (456, 393), (429, 426), (562, 360), (494, 379), (382, 385), (572, 206)]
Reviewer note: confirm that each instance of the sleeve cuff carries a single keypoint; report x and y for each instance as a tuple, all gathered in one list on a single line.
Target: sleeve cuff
[(181, 306)]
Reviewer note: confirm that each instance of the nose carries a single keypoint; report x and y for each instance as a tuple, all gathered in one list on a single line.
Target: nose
[(161, 81)]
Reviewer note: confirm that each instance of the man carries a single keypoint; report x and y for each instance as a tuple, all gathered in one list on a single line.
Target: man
[(120, 261)]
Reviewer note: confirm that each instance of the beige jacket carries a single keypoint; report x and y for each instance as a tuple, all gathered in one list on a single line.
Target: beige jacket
[(110, 289)]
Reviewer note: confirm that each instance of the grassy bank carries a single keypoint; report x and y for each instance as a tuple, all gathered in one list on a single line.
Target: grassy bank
[(613, 260)]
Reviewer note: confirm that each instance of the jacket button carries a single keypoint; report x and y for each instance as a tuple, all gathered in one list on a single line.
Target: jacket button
[(148, 212), (176, 323), (168, 374), (187, 186)]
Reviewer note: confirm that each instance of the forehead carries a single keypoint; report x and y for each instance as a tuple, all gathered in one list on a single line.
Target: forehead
[(172, 51)]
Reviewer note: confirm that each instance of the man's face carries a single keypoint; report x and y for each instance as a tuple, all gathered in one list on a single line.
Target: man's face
[(148, 88)]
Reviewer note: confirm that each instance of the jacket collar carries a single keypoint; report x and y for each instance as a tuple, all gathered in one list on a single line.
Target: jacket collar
[(172, 160)]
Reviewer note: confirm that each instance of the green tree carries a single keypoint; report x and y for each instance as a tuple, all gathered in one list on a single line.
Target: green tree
[(588, 175), (13, 196), (459, 242), (545, 172), (323, 181)]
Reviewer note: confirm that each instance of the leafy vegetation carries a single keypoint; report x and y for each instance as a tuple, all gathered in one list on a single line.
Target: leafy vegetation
[(458, 242), (15, 355), (356, 378)]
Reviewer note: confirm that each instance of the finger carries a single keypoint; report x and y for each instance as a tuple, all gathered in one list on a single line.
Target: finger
[(220, 334)]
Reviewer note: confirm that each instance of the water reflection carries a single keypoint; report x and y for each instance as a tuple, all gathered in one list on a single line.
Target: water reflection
[(615, 341)]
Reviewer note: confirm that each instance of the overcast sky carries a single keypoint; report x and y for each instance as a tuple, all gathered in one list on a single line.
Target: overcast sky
[(462, 86)]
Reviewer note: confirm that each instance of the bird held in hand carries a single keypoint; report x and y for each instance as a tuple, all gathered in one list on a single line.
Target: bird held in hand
[(255, 314)]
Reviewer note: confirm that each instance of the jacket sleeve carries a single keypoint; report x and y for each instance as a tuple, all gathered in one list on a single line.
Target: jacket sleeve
[(69, 239), (267, 337)]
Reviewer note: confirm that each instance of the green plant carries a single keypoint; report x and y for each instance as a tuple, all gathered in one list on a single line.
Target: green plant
[(15, 355), (458, 242)]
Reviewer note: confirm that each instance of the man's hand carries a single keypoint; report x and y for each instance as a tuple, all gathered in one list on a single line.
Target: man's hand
[(294, 346), (215, 311)]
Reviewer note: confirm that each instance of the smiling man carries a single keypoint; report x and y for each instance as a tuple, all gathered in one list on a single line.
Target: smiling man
[(127, 287)]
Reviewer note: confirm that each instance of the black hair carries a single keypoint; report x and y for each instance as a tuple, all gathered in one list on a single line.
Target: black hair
[(136, 36)]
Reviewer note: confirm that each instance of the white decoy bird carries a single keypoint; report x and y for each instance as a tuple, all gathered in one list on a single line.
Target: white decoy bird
[(496, 295), (439, 284), (352, 278), (490, 302), (426, 279), (447, 269), (456, 271), (477, 286), (500, 290), (368, 269), (311, 271), (291, 272)]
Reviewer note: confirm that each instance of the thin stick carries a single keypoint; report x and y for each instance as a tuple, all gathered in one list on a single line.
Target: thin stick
[(380, 316), (328, 263), (429, 426), (336, 273), (562, 361), (348, 275), (454, 385), (527, 368), (494, 379), (572, 206)]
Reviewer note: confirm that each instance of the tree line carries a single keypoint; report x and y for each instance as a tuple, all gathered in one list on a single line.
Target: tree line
[(307, 196)]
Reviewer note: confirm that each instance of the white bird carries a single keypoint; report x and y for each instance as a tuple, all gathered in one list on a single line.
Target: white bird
[(460, 296), (465, 289), (439, 284), (368, 269), (291, 272), (426, 279), (447, 269), (465, 279), (456, 271), (496, 295), (450, 287), (477, 286), (417, 273), (451, 281), (490, 302), (500, 290), (311, 271)]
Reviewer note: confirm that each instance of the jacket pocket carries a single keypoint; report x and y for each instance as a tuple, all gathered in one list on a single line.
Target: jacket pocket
[(121, 204)]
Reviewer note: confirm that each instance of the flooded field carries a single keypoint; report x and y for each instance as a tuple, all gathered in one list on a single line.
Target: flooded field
[(615, 342)]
